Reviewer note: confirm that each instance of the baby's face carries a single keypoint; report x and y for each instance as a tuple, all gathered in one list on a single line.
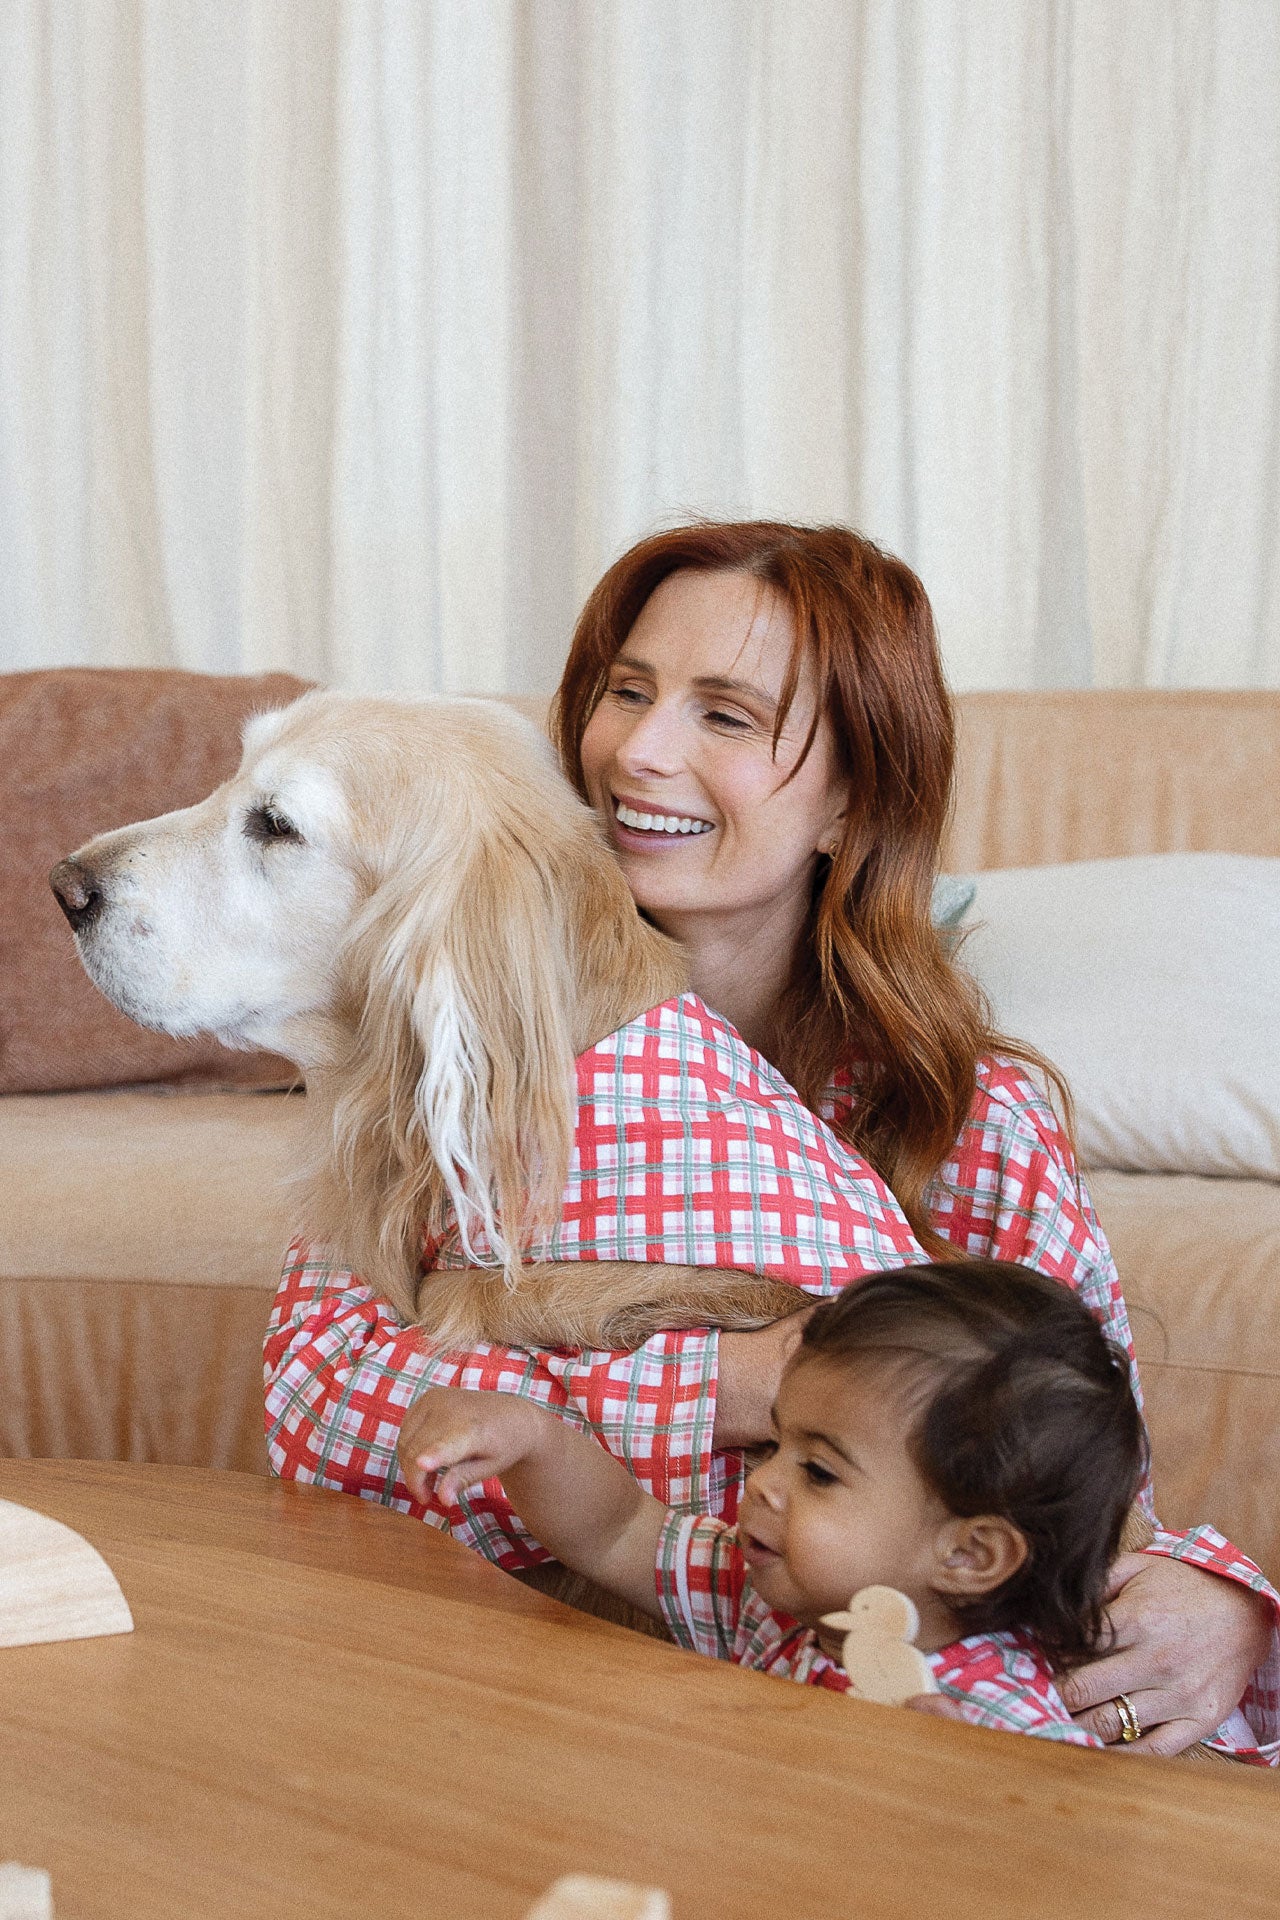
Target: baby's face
[(838, 1504)]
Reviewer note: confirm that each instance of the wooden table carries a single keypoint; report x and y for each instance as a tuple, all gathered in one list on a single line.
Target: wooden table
[(327, 1709)]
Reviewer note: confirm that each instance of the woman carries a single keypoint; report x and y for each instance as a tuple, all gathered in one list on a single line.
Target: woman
[(758, 714)]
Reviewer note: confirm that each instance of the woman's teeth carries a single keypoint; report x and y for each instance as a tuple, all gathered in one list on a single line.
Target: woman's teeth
[(659, 822)]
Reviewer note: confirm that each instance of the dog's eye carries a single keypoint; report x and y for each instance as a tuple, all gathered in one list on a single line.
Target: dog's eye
[(266, 823)]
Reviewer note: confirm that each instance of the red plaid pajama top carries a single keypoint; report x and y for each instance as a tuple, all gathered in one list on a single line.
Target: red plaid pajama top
[(999, 1680), (690, 1149)]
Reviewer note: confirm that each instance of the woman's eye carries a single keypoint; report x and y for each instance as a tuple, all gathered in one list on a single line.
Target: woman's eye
[(733, 721), (629, 696), (266, 823), (819, 1475)]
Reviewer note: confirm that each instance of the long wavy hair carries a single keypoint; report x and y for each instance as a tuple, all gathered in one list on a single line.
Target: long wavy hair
[(875, 991)]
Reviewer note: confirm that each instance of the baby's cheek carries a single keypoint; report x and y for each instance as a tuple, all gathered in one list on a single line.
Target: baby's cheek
[(814, 1553)]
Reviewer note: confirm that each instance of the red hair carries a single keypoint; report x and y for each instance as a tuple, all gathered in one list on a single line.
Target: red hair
[(874, 991)]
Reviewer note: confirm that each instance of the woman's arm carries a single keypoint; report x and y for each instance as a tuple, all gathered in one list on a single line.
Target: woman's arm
[(578, 1501), (341, 1371), (748, 1374)]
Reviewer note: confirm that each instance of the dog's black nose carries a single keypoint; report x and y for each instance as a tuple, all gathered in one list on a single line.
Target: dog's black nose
[(78, 893)]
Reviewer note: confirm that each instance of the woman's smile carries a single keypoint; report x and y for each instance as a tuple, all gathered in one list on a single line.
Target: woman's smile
[(640, 822)]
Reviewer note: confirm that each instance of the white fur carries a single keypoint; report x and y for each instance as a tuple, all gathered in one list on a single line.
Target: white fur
[(205, 931)]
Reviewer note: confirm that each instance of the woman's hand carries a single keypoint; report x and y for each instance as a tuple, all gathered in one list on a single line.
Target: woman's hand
[(464, 1438), (749, 1372), (1186, 1642)]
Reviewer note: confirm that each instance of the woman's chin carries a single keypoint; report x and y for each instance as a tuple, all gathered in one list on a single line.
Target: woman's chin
[(666, 906)]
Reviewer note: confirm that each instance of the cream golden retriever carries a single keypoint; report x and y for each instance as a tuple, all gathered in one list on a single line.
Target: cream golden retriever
[(407, 898)]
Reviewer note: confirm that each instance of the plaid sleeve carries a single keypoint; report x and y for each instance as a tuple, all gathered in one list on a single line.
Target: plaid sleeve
[(699, 1575), (341, 1371), (998, 1682), (1260, 1707), (1012, 1191)]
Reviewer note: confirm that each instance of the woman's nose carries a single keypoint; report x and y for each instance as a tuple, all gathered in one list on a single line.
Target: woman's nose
[(652, 743)]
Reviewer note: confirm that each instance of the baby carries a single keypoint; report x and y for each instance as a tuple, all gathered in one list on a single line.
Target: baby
[(963, 1433)]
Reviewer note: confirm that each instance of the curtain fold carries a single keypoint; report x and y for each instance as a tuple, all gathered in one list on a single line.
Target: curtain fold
[(358, 336)]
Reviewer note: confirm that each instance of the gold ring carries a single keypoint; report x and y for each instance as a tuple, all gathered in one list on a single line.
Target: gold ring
[(1130, 1725)]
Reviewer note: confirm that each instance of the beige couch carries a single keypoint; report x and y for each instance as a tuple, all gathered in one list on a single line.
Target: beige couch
[(142, 1229)]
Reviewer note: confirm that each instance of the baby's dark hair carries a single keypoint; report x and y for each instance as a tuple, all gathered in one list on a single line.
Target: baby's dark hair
[(1025, 1410)]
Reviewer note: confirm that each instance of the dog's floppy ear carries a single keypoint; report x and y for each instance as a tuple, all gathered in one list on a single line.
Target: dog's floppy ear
[(455, 1099)]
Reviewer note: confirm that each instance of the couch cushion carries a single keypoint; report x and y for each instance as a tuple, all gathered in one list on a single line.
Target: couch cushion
[(142, 1245), (1199, 1261), (171, 1187), (1153, 984), (83, 750)]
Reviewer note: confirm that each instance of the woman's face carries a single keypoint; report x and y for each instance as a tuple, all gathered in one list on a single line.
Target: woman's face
[(679, 764)]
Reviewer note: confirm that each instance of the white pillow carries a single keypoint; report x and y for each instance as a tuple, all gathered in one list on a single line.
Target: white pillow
[(1154, 983)]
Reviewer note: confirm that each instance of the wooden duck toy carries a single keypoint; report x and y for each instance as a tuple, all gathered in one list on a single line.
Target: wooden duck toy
[(53, 1584), (879, 1656)]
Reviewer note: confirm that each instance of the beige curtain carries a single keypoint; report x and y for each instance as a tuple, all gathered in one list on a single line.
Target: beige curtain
[(358, 338)]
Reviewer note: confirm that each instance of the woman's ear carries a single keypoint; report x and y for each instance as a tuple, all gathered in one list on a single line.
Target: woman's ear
[(976, 1555), (833, 830)]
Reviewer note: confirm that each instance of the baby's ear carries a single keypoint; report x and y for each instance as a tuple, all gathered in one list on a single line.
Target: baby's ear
[(976, 1555)]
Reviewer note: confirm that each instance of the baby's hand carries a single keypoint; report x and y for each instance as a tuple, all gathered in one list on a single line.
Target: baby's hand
[(464, 1438)]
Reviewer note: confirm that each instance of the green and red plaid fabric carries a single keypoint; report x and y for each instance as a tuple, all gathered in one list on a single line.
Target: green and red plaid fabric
[(999, 1680), (690, 1149)]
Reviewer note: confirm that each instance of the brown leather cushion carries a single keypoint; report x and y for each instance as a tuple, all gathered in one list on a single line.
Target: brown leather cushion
[(84, 749)]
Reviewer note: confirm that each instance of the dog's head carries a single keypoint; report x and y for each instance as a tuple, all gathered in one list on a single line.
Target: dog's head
[(225, 917), (407, 898)]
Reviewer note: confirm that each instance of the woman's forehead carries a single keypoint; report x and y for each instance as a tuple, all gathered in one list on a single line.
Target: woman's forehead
[(718, 626)]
